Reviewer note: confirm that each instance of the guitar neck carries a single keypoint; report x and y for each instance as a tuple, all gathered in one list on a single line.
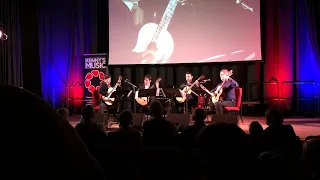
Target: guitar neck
[(166, 18)]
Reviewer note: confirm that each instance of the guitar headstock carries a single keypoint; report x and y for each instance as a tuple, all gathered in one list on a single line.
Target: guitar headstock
[(159, 79), (119, 79), (201, 78)]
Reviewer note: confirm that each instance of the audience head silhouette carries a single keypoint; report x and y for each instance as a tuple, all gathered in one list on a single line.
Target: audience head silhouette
[(223, 148), (198, 116), (88, 113), (64, 113), (156, 109), (40, 142), (274, 117), (255, 128), (126, 118)]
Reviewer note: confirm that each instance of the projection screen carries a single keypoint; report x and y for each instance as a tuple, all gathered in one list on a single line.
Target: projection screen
[(183, 31)]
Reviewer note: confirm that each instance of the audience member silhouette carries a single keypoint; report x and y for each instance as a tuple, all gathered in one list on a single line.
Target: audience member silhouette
[(278, 137), (90, 132), (225, 151), (256, 133), (276, 165), (158, 132), (311, 158), (63, 112), (281, 139), (38, 143), (125, 136), (189, 134)]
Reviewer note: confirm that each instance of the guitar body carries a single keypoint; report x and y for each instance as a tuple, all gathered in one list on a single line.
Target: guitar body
[(154, 52), (143, 101), (107, 99), (184, 92), (217, 96)]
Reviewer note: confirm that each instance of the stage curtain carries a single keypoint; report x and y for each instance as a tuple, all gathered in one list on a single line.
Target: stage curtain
[(307, 53), (67, 30), (10, 50)]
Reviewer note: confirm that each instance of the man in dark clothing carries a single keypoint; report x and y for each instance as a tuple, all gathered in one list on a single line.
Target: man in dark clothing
[(125, 136), (90, 132), (188, 135), (105, 85), (147, 85), (228, 85), (191, 99), (158, 132)]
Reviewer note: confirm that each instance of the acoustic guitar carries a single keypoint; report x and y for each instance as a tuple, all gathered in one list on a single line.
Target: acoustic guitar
[(143, 101), (216, 96), (107, 99), (154, 42), (187, 90)]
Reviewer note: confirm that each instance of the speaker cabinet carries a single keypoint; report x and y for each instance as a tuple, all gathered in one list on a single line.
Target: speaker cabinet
[(180, 120), (225, 118)]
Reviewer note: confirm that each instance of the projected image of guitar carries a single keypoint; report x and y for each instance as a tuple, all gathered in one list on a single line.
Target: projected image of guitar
[(108, 99), (154, 42)]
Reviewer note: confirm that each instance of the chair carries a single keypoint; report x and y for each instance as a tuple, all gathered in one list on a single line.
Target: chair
[(237, 108), (96, 100)]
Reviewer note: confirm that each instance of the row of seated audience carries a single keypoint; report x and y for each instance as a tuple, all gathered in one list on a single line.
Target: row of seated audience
[(222, 147), (39, 143)]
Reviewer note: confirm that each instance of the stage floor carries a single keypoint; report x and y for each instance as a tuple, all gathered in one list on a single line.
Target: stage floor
[(303, 127)]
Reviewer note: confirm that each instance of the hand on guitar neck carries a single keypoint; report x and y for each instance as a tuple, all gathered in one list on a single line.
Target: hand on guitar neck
[(188, 90)]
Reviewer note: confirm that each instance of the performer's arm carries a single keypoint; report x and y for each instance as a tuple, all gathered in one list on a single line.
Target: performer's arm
[(182, 86), (103, 89), (152, 87), (231, 83), (214, 89)]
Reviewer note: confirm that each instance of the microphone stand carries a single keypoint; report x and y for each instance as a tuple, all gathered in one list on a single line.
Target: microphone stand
[(134, 93)]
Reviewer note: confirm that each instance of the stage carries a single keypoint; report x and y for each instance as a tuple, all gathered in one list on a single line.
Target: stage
[(303, 127)]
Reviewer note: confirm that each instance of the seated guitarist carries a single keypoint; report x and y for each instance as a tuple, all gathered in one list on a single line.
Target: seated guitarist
[(229, 97), (104, 87), (147, 85), (192, 99)]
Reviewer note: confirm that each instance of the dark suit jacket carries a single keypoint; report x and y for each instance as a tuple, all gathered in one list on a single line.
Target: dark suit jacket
[(141, 86), (229, 87), (159, 133)]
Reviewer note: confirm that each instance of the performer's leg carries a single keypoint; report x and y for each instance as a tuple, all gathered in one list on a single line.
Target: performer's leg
[(220, 104), (190, 103)]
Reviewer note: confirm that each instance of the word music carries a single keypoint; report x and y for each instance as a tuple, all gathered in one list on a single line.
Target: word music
[(95, 63)]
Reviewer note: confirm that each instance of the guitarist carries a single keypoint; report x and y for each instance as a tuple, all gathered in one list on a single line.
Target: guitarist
[(147, 85), (229, 97), (103, 90), (192, 99)]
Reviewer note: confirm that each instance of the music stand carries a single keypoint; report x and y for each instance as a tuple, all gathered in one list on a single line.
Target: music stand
[(173, 93), (123, 96), (147, 93), (200, 92)]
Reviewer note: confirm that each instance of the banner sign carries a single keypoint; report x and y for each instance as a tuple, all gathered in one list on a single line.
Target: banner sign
[(95, 66)]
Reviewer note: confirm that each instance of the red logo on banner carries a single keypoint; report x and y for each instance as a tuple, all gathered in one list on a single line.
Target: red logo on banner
[(90, 76)]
